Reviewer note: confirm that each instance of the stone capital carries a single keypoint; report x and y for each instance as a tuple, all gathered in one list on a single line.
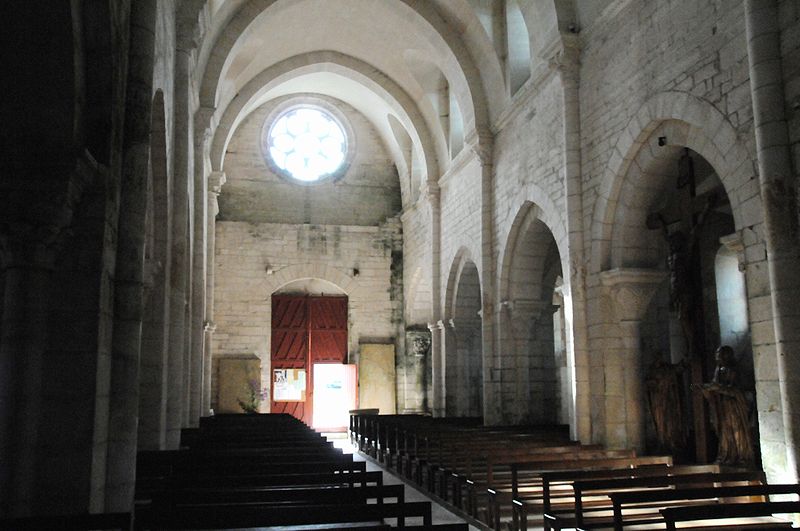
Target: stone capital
[(561, 52), (432, 192), (481, 144), (438, 325), (215, 181), (210, 327), (631, 290)]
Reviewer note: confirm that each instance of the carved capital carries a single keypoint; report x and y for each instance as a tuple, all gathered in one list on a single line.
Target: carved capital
[(215, 181), (481, 144), (438, 325), (432, 193), (562, 55), (631, 290), (209, 327)]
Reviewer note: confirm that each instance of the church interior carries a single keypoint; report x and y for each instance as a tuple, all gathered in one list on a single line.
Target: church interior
[(500, 213)]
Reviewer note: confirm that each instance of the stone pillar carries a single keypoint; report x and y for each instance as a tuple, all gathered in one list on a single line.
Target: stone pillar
[(438, 344), (438, 347), (126, 344), (27, 264), (630, 291), (779, 195), (215, 182), (481, 144), (563, 54)]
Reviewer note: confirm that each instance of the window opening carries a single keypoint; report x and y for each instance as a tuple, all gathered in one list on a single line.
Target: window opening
[(307, 143)]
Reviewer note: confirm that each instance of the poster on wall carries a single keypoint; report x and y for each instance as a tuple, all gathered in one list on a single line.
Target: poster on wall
[(289, 385)]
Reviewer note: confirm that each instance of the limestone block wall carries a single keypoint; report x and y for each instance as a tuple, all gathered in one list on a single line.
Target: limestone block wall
[(527, 175), (641, 64), (413, 387), (367, 194), (243, 290), (461, 205)]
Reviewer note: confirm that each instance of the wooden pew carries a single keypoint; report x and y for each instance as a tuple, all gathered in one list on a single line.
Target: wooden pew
[(750, 515), (238, 515), (146, 488), (592, 499), (71, 522), (643, 507), (271, 473), (531, 486)]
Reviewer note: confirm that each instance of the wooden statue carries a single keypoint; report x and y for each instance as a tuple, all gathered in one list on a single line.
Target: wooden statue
[(730, 413), (664, 393)]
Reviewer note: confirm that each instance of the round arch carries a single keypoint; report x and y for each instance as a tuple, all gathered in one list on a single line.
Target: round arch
[(527, 214), (461, 70), (708, 133), (397, 100)]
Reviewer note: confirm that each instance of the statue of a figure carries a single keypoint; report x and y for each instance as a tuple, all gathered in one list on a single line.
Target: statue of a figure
[(683, 291), (664, 393), (730, 413)]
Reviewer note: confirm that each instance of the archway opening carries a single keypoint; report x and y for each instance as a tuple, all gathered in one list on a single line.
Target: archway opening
[(535, 328), (674, 215), (464, 364)]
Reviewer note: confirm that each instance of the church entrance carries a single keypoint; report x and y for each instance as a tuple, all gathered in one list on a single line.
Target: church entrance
[(307, 331)]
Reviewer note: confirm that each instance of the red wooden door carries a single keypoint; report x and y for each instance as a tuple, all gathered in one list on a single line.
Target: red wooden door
[(289, 347), (306, 330)]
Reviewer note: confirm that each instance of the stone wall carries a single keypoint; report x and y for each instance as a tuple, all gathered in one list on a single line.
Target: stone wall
[(255, 260), (367, 194)]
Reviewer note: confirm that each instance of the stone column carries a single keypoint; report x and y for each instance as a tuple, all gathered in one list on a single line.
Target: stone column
[(482, 146), (438, 367), (27, 263), (630, 291), (522, 313), (215, 182), (126, 344), (779, 195), (438, 344), (563, 55)]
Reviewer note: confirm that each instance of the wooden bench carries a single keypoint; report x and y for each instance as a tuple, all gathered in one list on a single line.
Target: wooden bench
[(146, 488), (244, 515), (643, 507), (70, 522), (718, 516), (532, 485), (591, 501)]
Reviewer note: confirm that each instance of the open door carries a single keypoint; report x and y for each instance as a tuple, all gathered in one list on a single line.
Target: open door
[(335, 393)]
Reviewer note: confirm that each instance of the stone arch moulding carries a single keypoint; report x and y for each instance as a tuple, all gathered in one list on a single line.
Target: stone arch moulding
[(382, 86), (462, 256), (288, 274), (710, 134), (243, 22), (544, 210)]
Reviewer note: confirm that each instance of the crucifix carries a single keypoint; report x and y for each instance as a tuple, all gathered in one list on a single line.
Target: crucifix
[(686, 285)]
